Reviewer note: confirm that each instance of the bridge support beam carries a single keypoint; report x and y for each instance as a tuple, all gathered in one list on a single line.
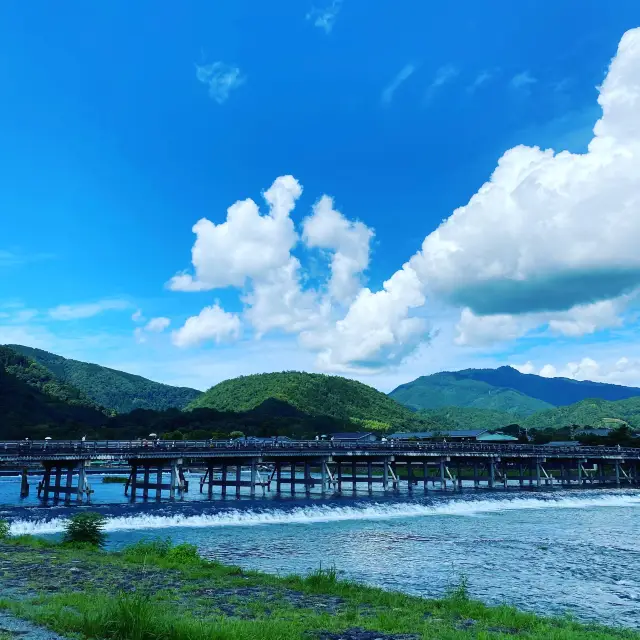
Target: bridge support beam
[(61, 487), (24, 483)]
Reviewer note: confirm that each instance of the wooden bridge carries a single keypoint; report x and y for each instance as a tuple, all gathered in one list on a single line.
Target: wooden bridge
[(300, 466)]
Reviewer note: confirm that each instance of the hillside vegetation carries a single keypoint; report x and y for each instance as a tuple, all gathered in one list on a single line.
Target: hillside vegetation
[(115, 390), (593, 412), (312, 393), (27, 411), (468, 418), (41, 379), (451, 390), (555, 391)]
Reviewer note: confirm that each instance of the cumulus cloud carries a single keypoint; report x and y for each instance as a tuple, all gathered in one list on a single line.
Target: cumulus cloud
[(377, 330), (247, 245), (625, 371), (477, 330), (550, 241), (325, 18), (86, 310), (211, 324), (137, 316), (220, 78), (347, 241), (403, 75), (155, 325), (550, 231)]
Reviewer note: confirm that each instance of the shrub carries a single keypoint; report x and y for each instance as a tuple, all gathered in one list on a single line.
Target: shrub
[(86, 528), (181, 553), (5, 530)]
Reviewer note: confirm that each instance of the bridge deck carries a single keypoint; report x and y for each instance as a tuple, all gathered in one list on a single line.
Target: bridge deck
[(34, 451)]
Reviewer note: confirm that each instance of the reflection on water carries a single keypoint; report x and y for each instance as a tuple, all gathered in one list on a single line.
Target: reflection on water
[(549, 552)]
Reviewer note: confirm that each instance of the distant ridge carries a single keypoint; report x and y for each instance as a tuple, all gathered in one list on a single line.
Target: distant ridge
[(503, 389)]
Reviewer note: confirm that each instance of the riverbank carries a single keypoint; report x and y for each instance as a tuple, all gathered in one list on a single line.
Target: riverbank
[(158, 591)]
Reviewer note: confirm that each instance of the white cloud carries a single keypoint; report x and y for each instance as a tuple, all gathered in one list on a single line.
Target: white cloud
[(86, 310), (527, 367), (624, 371), (221, 79), (389, 91), (482, 78), (550, 231), (549, 242), (348, 241), (137, 316), (155, 325), (444, 75), (523, 81), (212, 323), (247, 245), (376, 331), (276, 301), (580, 320), (325, 18)]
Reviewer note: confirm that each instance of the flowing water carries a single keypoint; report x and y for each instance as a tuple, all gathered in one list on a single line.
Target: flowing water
[(552, 552)]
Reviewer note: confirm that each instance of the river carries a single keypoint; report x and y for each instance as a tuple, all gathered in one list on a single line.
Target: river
[(557, 551)]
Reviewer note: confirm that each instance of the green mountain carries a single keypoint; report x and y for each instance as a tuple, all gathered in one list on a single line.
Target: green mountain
[(594, 412), (26, 409), (312, 393), (451, 389), (115, 390), (41, 379), (555, 391)]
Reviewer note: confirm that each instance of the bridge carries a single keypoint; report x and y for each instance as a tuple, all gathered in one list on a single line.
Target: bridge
[(300, 466)]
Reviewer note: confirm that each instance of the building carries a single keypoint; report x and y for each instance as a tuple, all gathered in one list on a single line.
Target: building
[(562, 443), (591, 431), (455, 435), (355, 436), (268, 440)]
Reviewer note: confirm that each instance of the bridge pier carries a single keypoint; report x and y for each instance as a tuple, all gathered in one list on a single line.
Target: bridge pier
[(177, 483), (54, 469), (24, 483)]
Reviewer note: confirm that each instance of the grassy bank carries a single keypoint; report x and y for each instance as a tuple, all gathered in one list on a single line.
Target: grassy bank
[(156, 591)]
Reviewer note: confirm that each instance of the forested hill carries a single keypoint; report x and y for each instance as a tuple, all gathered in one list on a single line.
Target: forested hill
[(26, 410), (39, 378), (116, 390), (593, 412), (312, 393), (451, 390), (503, 389)]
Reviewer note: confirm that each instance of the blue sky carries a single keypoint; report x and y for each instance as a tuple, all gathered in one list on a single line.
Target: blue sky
[(123, 124)]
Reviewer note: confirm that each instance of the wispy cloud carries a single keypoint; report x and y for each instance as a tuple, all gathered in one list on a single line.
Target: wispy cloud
[(86, 310), (523, 81), (482, 78), (391, 88), (444, 75), (221, 78), (18, 258), (325, 18)]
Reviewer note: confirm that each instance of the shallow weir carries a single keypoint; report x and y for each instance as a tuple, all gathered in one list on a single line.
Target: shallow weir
[(552, 552)]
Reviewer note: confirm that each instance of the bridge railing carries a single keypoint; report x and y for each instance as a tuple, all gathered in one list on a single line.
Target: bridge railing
[(131, 447)]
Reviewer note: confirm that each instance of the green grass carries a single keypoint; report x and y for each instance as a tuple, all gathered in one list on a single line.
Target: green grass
[(173, 594)]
